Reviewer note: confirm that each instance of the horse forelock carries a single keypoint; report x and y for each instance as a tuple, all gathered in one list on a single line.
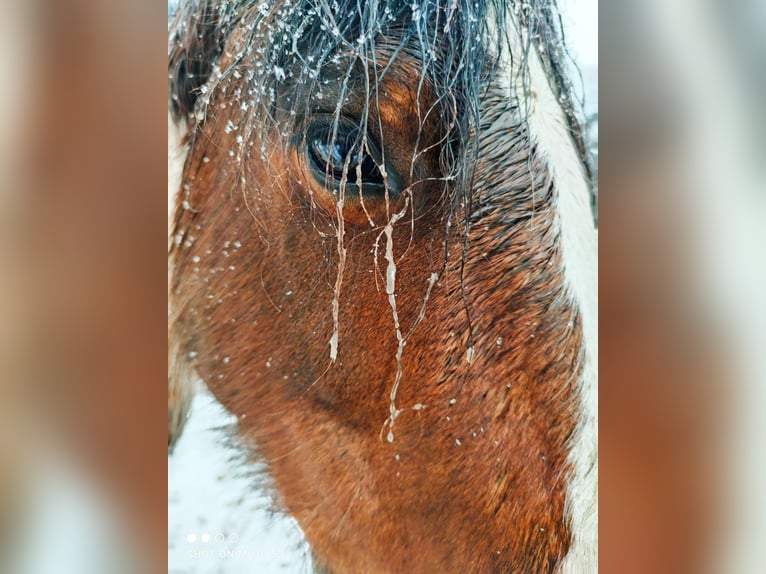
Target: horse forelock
[(270, 49)]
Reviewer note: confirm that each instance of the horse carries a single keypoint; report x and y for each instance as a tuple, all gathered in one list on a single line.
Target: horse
[(382, 260)]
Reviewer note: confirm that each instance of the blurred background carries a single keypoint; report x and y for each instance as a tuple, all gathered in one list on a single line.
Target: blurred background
[(682, 327), (682, 201), (82, 287)]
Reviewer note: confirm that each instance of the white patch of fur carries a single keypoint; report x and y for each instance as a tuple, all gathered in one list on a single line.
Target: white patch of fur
[(549, 129)]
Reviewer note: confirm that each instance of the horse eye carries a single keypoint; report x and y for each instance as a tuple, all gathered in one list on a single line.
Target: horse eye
[(334, 155), (330, 156)]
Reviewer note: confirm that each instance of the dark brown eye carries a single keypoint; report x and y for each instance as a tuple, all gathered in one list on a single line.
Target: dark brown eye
[(331, 153), (333, 157)]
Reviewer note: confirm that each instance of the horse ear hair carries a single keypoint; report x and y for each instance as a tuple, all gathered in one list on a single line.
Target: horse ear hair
[(198, 33)]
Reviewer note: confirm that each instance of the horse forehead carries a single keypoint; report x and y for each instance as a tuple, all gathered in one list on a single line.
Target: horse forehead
[(399, 90)]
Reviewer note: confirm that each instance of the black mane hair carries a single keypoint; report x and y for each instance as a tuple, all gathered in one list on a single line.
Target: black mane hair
[(275, 43)]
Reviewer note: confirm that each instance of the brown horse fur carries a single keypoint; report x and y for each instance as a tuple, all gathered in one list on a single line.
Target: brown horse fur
[(437, 439)]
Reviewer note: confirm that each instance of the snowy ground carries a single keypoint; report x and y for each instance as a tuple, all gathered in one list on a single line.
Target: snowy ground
[(219, 519)]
